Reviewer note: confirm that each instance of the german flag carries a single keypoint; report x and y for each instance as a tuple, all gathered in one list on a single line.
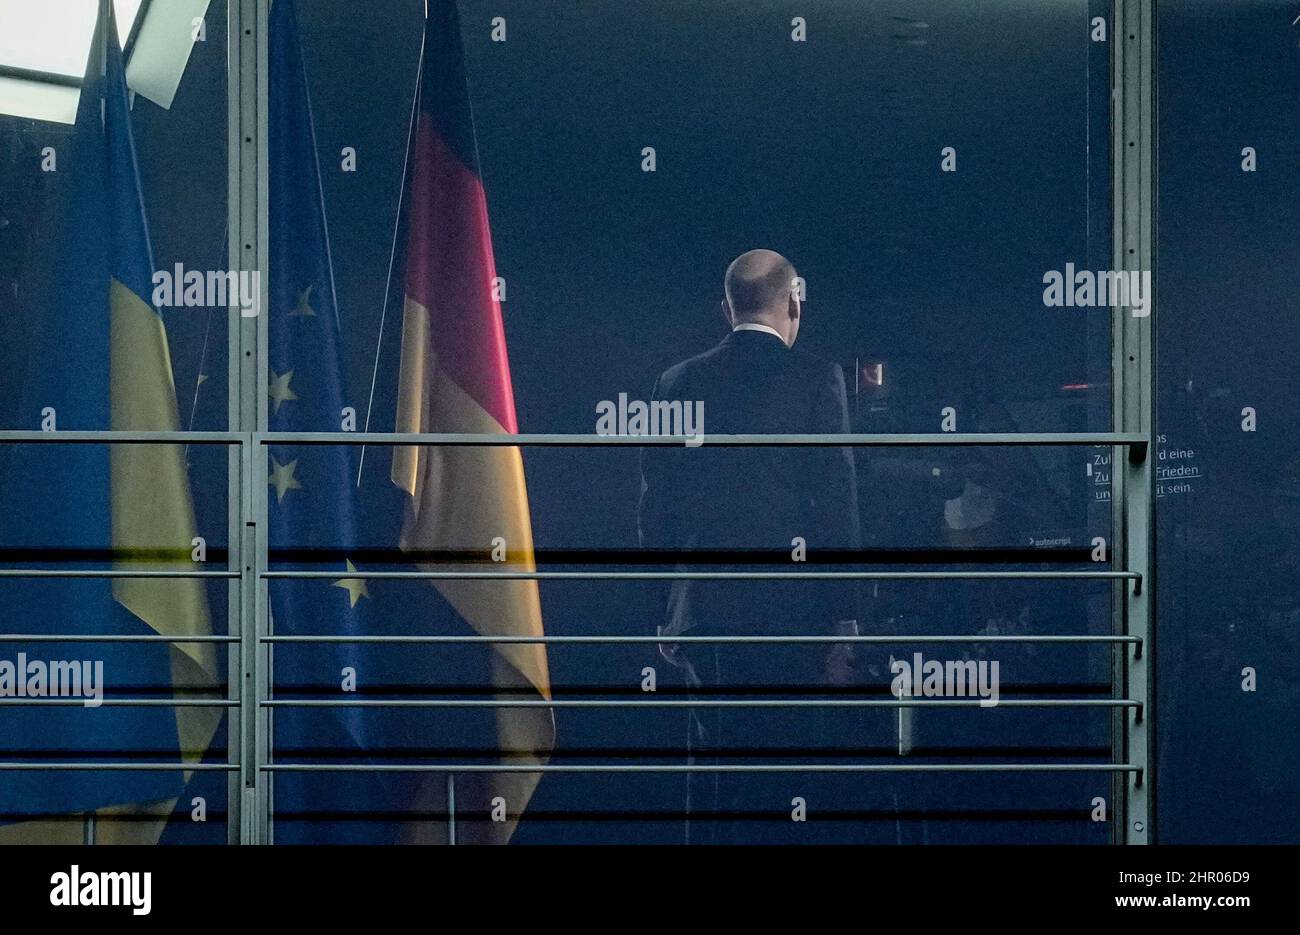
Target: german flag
[(455, 377)]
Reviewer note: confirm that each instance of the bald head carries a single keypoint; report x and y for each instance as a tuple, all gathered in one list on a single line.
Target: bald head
[(758, 281), (760, 289)]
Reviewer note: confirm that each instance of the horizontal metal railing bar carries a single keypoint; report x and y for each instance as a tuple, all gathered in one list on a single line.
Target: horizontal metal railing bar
[(703, 768), (711, 575), (120, 767), (110, 573), (578, 440), (701, 703), (491, 439), (110, 638), (289, 556), (108, 437), (874, 638), (592, 768), (126, 702)]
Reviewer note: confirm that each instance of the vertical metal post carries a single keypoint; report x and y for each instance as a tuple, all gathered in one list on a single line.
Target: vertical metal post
[(451, 808), (88, 829), (1133, 401), (247, 200), (258, 400), (235, 460)]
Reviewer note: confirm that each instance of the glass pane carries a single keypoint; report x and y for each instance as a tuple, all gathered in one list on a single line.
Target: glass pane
[(923, 179), (95, 217), (1228, 469)]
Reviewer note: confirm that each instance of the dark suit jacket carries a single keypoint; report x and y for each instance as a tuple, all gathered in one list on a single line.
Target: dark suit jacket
[(747, 499)]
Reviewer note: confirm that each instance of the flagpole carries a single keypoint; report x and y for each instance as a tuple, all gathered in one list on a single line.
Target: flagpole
[(392, 252), (203, 354), (101, 35)]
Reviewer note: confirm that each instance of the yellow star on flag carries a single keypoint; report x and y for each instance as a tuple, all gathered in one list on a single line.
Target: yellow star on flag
[(356, 587), (280, 391), (303, 309), (282, 478)]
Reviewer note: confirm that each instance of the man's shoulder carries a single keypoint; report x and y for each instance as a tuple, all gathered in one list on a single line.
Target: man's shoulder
[(817, 367), (808, 365), (678, 372)]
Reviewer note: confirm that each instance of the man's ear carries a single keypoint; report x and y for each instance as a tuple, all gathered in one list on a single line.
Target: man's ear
[(794, 307), (726, 313)]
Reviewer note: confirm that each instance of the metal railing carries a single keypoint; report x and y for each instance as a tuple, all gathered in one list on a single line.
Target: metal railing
[(233, 702), (251, 706), (1138, 448)]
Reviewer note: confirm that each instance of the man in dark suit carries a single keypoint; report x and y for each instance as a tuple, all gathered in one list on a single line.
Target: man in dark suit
[(755, 508)]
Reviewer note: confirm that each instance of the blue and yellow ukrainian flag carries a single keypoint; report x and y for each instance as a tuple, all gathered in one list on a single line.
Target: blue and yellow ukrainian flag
[(99, 360)]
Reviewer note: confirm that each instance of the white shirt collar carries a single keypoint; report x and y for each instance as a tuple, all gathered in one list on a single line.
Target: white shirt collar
[(755, 326)]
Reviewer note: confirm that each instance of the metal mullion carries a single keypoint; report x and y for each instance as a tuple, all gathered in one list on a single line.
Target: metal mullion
[(247, 131), (36, 76), (236, 723), (1133, 370), (262, 619), (1139, 499)]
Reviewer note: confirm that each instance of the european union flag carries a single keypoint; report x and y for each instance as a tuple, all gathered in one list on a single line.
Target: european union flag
[(99, 360), (312, 495)]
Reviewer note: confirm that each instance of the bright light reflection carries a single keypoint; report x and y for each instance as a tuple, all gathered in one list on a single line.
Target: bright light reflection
[(54, 35)]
